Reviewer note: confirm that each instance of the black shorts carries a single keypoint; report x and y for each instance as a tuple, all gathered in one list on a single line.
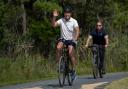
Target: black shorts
[(67, 42)]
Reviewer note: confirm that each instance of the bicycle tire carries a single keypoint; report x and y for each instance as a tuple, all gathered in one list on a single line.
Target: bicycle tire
[(70, 81), (100, 73), (95, 71), (61, 72)]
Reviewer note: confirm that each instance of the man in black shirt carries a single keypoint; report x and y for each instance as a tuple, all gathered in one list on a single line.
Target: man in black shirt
[(99, 37)]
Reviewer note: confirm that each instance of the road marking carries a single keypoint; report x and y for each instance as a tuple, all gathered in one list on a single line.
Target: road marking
[(92, 86), (34, 88), (37, 88)]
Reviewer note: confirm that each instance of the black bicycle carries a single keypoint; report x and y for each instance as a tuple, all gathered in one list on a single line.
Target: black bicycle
[(96, 65), (64, 70)]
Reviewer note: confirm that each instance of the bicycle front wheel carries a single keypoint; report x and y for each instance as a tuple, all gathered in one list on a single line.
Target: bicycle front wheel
[(95, 71), (70, 81), (69, 73), (61, 71), (100, 73)]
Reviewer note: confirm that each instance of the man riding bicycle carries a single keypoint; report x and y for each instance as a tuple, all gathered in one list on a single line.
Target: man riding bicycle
[(99, 37), (69, 35)]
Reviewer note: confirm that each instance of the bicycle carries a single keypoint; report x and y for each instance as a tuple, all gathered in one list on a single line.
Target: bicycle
[(64, 69), (97, 70)]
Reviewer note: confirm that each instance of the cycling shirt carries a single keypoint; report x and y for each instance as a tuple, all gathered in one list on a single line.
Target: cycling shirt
[(98, 36), (67, 28)]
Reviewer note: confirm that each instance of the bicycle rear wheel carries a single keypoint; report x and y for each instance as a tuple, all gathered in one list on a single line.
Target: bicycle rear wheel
[(61, 71)]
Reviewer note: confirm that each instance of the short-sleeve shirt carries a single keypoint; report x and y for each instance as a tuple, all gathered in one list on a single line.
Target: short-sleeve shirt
[(98, 37), (67, 28)]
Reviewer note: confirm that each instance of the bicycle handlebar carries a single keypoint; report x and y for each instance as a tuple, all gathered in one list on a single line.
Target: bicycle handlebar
[(97, 46)]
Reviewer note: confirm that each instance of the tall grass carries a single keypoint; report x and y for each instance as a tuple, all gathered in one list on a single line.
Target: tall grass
[(25, 69)]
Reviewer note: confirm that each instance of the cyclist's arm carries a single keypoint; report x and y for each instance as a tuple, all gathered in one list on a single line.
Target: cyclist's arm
[(88, 40), (106, 40), (54, 22), (77, 32)]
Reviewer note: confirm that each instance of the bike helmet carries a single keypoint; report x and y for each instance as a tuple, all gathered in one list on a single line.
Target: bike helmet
[(68, 9)]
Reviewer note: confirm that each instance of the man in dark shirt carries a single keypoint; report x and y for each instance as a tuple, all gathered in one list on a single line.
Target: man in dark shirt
[(99, 37)]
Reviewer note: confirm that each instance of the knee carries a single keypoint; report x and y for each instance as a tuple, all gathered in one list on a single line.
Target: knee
[(58, 48)]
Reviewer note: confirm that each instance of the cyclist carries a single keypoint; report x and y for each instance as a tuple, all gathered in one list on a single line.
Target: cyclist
[(69, 35), (99, 37)]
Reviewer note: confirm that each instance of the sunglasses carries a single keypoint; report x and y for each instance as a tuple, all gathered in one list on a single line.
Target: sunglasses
[(99, 25)]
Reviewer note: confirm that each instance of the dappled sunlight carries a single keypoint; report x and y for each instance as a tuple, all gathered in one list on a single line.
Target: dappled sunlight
[(92, 86), (34, 88)]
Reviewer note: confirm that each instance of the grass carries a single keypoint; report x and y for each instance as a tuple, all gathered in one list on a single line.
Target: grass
[(120, 84), (25, 70)]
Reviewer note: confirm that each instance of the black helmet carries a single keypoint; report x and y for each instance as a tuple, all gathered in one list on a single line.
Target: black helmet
[(68, 9)]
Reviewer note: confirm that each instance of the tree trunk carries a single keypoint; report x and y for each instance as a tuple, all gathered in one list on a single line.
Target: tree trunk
[(24, 21)]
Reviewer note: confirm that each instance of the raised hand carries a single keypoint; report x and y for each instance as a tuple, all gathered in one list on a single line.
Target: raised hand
[(55, 13)]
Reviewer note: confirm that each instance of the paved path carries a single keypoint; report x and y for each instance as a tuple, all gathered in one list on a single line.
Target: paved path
[(82, 82)]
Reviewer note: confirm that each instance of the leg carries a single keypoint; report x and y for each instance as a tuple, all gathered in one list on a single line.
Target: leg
[(72, 56), (73, 61), (101, 55), (58, 50), (94, 51)]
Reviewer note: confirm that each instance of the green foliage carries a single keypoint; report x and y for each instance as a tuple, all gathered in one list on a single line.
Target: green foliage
[(46, 6), (42, 30), (120, 17)]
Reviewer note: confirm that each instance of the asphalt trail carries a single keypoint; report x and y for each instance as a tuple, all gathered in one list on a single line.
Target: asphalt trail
[(82, 82)]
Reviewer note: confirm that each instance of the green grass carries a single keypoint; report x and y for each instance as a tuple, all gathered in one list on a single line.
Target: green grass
[(120, 84), (24, 70)]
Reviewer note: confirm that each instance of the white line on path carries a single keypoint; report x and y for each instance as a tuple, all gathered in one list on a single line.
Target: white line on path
[(39, 87), (92, 86), (34, 88)]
